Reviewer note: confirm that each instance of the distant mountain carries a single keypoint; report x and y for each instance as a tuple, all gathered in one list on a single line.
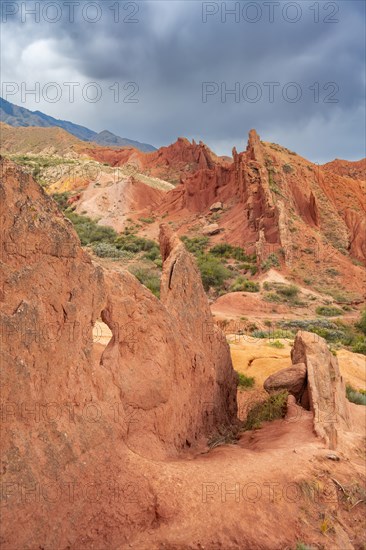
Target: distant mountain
[(19, 116)]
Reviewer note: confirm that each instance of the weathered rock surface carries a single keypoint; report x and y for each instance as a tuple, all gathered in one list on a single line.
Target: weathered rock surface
[(163, 352), (77, 436), (315, 382), (275, 202), (292, 379), (211, 229), (325, 386), (167, 163), (216, 206)]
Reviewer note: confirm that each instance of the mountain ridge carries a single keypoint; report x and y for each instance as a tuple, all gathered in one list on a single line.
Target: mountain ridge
[(15, 115)]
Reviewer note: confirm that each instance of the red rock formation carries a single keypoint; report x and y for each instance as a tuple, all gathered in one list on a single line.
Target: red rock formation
[(161, 349), (356, 223), (267, 189), (325, 387), (243, 184), (167, 163), (292, 379), (74, 431), (355, 170)]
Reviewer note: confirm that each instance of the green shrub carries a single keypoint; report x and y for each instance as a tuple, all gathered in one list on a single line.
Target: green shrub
[(361, 325), (355, 396), (272, 297), (260, 334), (273, 408), (359, 346), (328, 311), (89, 231), (246, 266), (213, 272), (270, 261), (197, 245), (147, 220), (149, 278), (245, 381), (277, 344), (132, 243), (332, 271), (244, 285), (287, 168), (273, 334), (153, 254), (61, 199), (228, 251), (290, 291), (283, 292), (108, 250), (36, 172)]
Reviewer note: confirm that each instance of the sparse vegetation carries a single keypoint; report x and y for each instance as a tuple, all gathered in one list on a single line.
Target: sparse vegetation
[(213, 272), (147, 220), (277, 344), (332, 272), (215, 267), (271, 261), (225, 250), (61, 199), (283, 293), (105, 242), (196, 245), (354, 396), (89, 231), (108, 250), (271, 409), (148, 277), (245, 382), (361, 325), (302, 546), (244, 285), (287, 168), (335, 332), (328, 311), (274, 334)]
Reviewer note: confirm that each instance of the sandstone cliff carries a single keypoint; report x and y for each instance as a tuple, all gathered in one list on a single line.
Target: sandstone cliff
[(73, 428)]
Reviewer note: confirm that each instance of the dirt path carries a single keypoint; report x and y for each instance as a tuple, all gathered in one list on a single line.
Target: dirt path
[(266, 493), (273, 489)]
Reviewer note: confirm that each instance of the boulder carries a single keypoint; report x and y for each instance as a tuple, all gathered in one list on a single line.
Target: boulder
[(325, 387), (211, 229), (216, 207), (292, 379), (315, 381)]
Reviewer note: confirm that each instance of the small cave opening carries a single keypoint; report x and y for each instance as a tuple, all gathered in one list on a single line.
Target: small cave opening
[(102, 335)]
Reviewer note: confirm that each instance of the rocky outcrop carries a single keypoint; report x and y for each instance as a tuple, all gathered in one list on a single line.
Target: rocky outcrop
[(292, 379), (211, 229), (78, 434), (315, 382), (168, 163), (356, 223), (164, 351), (325, 387), (216, 207)]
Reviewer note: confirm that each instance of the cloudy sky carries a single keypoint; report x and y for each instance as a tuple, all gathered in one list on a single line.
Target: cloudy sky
[(156, 70)]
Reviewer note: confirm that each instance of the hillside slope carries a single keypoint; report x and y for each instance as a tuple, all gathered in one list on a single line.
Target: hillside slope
[(19, 116)]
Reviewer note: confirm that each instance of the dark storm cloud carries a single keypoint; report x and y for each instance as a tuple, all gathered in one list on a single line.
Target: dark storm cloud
[(170, 52)]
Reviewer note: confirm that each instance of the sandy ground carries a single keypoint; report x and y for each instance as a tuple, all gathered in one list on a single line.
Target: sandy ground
[(274, 488)]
